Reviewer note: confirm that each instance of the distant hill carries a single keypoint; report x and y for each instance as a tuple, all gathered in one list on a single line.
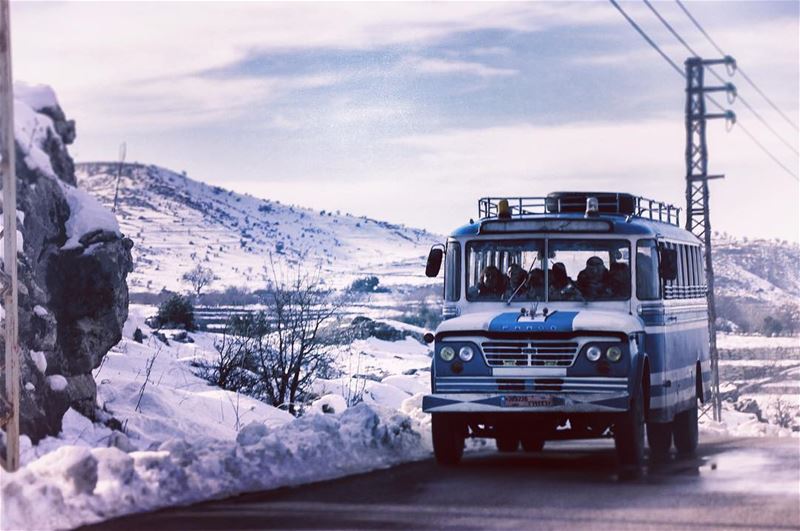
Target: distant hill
[(758, 283), (176, 223)]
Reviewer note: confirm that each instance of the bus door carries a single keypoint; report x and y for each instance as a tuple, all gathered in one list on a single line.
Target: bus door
[(654, 314), (680, 325)]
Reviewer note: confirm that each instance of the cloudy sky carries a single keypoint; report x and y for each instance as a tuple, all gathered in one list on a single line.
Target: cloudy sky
[(411, 111)]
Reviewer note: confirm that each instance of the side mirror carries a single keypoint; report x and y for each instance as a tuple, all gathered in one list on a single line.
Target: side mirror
[(667, 263), (434, 261)]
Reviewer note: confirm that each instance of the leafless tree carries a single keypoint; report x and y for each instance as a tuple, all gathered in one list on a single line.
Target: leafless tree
[(237, 350), (199, 278), (302, 314)]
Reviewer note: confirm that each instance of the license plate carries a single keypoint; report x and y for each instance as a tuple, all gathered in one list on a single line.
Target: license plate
[(528, 401)]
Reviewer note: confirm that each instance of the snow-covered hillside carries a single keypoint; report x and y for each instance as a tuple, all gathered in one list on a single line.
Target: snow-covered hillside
[(176, 223), (765, 270)]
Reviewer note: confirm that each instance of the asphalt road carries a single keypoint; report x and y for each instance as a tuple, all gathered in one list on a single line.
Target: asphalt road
[(732, 484)]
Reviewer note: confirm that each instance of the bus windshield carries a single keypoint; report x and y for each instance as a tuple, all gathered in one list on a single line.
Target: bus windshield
[(496, 270), (574, 270)]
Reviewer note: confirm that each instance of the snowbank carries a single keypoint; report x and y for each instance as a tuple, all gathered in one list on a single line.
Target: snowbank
[(184, 440), (738, 424), (79, 485)]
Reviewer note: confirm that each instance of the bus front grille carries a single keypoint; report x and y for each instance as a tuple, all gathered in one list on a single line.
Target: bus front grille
[(536, 353)]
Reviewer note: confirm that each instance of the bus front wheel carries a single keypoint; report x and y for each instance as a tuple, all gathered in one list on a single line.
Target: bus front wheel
[(629, 436), (659, 439), (448, 438)]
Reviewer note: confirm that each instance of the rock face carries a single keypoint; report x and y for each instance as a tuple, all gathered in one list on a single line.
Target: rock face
[(73, 301), (363, 328)]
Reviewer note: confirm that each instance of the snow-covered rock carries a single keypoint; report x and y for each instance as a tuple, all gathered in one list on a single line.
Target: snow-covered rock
[(73, 301), (330, 404)]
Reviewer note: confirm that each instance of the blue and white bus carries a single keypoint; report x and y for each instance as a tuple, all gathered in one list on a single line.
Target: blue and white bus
[(575, 315)]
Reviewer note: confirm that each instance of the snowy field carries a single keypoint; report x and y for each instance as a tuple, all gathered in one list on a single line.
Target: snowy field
[(184, 440), (759, 384)]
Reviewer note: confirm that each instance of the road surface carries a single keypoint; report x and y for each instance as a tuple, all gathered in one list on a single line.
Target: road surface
[(732, 484)]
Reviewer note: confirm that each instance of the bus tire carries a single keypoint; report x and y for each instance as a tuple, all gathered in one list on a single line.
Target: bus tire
[(507, 442), (685, 431), (659, 439), (629, 436), (448, 438), (532, 443)]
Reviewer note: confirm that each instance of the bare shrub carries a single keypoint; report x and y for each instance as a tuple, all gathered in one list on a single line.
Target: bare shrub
[(302, 334), (235, 365)]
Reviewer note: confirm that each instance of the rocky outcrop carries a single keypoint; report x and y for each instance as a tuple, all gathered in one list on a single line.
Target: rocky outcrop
[(73, 301), (363, 328)]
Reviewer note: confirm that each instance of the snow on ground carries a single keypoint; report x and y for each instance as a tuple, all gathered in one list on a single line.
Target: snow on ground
[(737, 424), (80, 485), (734, 341), (185, 440)]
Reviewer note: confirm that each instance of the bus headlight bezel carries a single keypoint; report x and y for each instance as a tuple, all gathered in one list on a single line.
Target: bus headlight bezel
[(447, 353), (466, 353), (594, 353), (614, 353)]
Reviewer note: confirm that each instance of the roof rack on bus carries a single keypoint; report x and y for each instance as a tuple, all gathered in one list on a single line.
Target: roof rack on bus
[(564, 202)]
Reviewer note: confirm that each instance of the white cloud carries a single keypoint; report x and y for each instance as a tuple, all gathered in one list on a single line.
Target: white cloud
[(490, 50), (101, 54), (435, 66)]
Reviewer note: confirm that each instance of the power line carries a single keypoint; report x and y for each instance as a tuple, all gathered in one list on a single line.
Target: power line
[(647, 38), (763, 121), (683, 75), (742, 72), (747, 132), (769, 154), (721, 80), (670, 28)]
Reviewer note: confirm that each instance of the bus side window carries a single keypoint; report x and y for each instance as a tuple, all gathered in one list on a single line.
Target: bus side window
[(683, 272), (647, 280), (452, 272)]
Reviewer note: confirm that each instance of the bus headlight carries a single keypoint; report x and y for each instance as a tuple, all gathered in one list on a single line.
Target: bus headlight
[(447, 353), (466, 353), (593, 353), (614, 353)]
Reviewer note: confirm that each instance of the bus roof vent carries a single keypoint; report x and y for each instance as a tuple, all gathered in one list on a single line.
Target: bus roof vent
[(575, 202)]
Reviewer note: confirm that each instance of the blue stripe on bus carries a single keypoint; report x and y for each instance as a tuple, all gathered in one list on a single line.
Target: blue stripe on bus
[(558, 321)]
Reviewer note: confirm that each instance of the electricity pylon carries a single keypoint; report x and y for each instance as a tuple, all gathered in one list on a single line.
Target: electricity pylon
[(698, 220)]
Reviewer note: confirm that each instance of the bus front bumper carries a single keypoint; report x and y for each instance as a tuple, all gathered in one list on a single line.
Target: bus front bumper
[(600, 402)]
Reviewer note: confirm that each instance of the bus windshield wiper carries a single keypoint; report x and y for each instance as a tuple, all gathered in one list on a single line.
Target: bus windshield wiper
[(530, 269)]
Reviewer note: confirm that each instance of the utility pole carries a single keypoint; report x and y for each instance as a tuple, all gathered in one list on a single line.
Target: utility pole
[(698, 220), (122, 150), (7, 167)]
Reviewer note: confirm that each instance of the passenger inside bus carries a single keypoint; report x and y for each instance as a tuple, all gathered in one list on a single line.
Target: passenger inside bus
[(559, 282), (619, 280), (593, 280), (517, 279), (536, 285), (492, 282)]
